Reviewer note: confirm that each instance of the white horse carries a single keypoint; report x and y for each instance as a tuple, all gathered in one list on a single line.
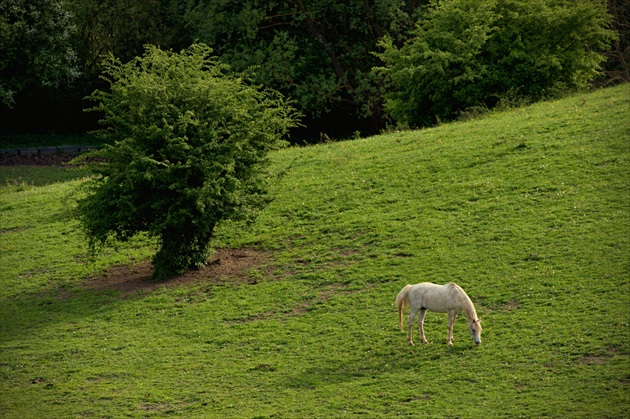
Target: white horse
[(449, 298)]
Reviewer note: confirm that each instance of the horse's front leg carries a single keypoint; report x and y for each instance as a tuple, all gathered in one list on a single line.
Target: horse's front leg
[(451, 323), (423, 312)]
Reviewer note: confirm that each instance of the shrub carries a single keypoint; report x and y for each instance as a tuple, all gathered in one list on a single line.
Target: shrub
[(470, 53), (189, 146)]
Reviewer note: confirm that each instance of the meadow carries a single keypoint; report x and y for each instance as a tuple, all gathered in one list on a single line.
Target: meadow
[(528, 210)]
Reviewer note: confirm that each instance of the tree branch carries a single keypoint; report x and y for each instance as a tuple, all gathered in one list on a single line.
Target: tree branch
[(337, 67), (370, 15)]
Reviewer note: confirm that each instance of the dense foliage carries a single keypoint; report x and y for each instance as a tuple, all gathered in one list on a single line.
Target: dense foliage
[(321, 53), (189, 150), (35, 47), (616, 67), (316, 51), (122, 28), (467, 53)]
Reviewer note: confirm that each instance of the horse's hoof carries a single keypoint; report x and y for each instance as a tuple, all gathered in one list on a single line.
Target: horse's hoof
[(411, 344)]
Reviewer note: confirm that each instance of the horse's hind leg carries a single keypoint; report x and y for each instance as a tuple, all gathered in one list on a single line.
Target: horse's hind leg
[(412, 315), (423, 312)]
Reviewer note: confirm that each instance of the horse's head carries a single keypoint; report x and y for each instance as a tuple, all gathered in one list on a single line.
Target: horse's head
[(474, 328)]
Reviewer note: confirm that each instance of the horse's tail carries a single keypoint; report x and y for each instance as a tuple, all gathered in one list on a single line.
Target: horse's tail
[(401, 301)]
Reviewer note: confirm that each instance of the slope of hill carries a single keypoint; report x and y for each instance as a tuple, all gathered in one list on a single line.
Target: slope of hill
[(528, 210)]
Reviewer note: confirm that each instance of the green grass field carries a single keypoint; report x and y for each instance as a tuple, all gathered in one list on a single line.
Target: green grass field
[(528, 210)]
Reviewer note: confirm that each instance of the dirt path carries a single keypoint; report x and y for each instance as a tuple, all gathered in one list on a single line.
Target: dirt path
[(232, 264)]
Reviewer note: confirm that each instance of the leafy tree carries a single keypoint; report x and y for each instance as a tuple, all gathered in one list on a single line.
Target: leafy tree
[(617, 66), (439, 69), (123, 28), (189, 150), (35, 47), (467, 53), (318, 52)]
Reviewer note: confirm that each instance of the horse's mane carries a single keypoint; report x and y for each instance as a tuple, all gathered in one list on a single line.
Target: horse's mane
[(465, 301)]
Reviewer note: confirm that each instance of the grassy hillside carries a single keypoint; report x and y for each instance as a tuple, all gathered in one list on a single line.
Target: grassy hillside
[(527, 210)]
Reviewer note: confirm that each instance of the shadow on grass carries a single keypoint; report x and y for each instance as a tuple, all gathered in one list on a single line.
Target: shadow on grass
[(395, 358), (29, 312)]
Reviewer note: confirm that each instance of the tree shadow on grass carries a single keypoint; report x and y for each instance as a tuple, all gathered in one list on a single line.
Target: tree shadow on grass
[(32, 311)]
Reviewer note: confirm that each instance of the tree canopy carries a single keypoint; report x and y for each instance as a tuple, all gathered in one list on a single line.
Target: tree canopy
[(36, 49), (316, 51), (322, 53), (188, 148), (471, 53)]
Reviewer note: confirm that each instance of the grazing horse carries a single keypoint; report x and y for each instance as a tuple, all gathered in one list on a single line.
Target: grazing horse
[(449, 298)]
